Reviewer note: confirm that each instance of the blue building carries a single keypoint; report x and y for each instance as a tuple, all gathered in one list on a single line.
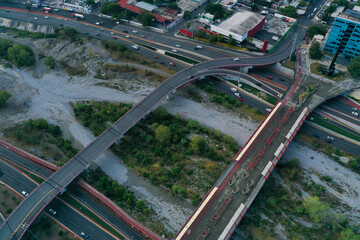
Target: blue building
[(345, 35)]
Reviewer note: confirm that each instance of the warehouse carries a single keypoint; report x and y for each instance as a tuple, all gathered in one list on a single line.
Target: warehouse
[(241, 25)]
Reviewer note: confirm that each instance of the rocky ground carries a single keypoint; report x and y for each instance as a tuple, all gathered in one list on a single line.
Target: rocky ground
[(44, 93)]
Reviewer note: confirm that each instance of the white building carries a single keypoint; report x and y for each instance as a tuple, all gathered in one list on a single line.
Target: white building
[(241, 25)]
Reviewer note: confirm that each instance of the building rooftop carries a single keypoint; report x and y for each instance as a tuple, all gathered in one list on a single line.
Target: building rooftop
[(126, 5), (350, 15), (338, 11), (146, 6), (241, 22)]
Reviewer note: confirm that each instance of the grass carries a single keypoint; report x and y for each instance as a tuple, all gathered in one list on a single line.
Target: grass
[(46, 228), (290, 64), (334, 128), (134, 70), (222, 44), (265, 96), (27, 34), (71, 201), (182, 58), (9, 200), (309, 90), (316, 68), (147, 46)]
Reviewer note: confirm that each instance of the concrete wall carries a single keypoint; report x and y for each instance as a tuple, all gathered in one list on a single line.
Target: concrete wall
[(25, 26)]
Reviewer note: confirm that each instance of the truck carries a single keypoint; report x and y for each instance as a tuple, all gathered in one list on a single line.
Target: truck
[(136, 47), (76, 15), (47, 9)]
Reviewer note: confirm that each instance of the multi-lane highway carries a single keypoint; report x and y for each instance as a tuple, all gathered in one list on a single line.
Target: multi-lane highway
[(16, 180)]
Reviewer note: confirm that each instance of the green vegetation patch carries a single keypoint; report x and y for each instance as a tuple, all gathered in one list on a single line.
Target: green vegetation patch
[(281, 202), (316, 68), (334, 128), (182, 58), (181, 155), (80, 207), (134, 70), (43, 136), (265, 96), (147, 46), (34, 35), (228, 102), (309, 90), (20, 55), (98, 116), (125, 199)]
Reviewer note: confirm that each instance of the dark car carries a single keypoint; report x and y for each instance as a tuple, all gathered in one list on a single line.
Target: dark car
[(195, 48), (98, 34), (257, 83), (125, 31), (61, 25)]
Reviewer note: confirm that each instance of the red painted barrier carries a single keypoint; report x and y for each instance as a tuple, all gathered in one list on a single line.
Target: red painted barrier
[(29, 156), (144, 231), (187, 33)]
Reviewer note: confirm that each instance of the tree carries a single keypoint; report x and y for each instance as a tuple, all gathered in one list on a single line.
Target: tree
[(220, 38), (21, 55), (50, 62), (146, 19), (216, 10), (317, 211), (197, 144), (213, 38), (316, 29), (173, 5), (4, 96), (231, 41), (354, 67), (348, 234), (289, 11), (163, 134), (187, 14), (90, 3), (28, 7), (315, 52), (4, 45), (254, 7), (302, 3)]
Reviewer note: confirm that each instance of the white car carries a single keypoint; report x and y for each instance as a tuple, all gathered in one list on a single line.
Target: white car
[(35, 18), (52, 211), (237, 94), (136, 47), (355, 113), (233, 89), (354, 108), (199, 46), (330, 138), (174, 50), (46, 17), (178, 45), (24, 193), (127, 36), (236, 59), (268, 109), (134, 31), (117, 22), (84, 235), (56, 10), (304, 52), (97, 23), (112, 33)]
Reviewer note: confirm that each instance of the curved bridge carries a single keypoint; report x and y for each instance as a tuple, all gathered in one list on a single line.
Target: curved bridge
[(20, 219)]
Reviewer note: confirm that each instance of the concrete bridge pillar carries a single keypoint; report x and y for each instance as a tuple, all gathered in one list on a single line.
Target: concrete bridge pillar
[(117, 142)]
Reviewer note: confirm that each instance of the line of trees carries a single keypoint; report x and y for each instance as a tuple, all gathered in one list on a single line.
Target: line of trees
[(4, 96)]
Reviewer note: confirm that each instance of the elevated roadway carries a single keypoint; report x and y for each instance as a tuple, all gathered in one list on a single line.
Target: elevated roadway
[(19, 220), (228, 200)]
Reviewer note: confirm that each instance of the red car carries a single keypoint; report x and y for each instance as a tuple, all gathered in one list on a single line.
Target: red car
[(114, 37), (240, 99), (172, 64), (156, 57), (269, 77)]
